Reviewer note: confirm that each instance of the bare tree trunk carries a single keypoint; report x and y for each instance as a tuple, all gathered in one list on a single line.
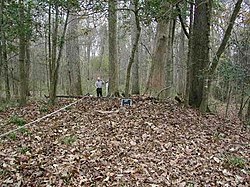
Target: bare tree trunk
[(181, 64), (22, 65), (1, 39), (169, 59), (52, 62), (135, 88), (103, 46), (4, 60), (56, 57), (113, 58), (229, 92), (6, 71), (3, 54), (215, 61), (27, 66), (134, 48), (156, 79), (49, 68), (247, 116), (73, 57), (241, 100), (199, 51), (189, 69)]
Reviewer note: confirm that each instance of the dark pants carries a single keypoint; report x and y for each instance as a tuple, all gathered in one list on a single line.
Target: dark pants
[(99, 92)]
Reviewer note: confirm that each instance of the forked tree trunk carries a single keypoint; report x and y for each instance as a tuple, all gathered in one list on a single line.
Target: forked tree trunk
[(54, 63)]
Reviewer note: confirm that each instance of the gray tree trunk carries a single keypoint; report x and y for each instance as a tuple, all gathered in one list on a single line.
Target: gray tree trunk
[(27, 65), (73, 57), (135, 88), (247, 116), (134, 48), (189, 68), (102, 46), (169, 59), (181, 66), (56, 54), (113, 50)]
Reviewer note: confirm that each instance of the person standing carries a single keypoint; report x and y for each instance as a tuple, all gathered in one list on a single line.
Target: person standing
[(98, 85), (107, 88)]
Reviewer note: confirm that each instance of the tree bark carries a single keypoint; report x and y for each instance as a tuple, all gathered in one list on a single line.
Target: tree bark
[(156, 79), (56, 57), (241, 100), (22, 65), (113, 50), (102, 46), (134, 48), (199, 51), (169, 59), (229, 92), (73, 57), (27, 65), (161, 71), (189, 69), (1, 39), (181, 66), (247, 116), (135, 88)]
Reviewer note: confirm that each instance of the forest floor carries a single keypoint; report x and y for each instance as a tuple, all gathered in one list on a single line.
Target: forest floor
[(98, 143)]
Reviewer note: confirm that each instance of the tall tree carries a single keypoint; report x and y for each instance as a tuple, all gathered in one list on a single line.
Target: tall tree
[(22, 46), (135, 88), (170, 59), (73, 57), (161, 72), (55, 50), (134, 50), (156, 79), (113, 58), (1, 40), (199, 51)]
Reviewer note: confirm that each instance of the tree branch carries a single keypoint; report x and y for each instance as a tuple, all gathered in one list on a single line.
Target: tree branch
[(182, 22), (225, 38)]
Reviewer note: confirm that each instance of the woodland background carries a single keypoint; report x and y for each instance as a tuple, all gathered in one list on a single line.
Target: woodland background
[(198, 50), (156, 52)]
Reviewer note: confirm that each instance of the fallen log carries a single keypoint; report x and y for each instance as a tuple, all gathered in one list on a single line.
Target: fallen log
[(70, 96)]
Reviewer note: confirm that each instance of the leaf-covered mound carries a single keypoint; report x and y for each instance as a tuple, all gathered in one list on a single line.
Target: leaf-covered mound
[(98, 143)]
